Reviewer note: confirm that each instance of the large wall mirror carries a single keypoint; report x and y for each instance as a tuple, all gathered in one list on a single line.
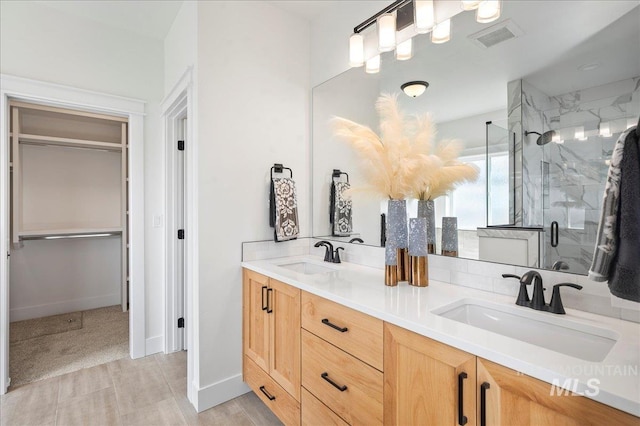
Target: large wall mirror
[(571, 67)]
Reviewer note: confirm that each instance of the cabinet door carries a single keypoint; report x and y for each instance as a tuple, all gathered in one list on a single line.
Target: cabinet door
[(426, 382), (284, 318), (512, 398), (255, 319)]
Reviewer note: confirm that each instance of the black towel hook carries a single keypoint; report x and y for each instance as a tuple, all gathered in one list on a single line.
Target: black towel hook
[(279, 168), (336, 174)]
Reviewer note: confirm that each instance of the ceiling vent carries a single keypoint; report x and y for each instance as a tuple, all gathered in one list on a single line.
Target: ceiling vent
[(495, 34)]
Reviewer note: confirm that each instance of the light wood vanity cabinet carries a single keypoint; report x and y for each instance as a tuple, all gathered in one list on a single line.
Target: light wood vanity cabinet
[(512, 398), (422, 386), (316, 362), (271, 343)]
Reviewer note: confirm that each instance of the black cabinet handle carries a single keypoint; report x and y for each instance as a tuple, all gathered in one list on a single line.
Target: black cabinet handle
[(483, 403), (325, 321), (325, 376), (269, 307), (264, 307), (554, 234), (462, 419), (264, 391)]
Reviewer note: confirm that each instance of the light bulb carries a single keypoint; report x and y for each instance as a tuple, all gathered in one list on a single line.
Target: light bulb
[(386, 32), (404, 50), (372, 65), (424, 17), (356, 50), (488, 11), (441, 32)]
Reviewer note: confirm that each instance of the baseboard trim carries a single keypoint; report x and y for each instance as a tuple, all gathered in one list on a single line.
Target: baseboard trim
[(29, 312), (222, 391), (153, 345)]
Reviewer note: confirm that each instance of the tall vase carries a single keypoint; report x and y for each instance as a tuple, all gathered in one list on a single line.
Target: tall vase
[(419, 275), (397, 236), (426, 209), (450, 236)]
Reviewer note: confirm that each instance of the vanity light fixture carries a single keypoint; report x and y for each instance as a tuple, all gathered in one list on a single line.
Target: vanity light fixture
[(579, 135), (404, 50), (605, 130), (386, 32), (441, 32), (470, 4), (488, 11), (414, 88), (356, 50), (424, 17), (372, 65)]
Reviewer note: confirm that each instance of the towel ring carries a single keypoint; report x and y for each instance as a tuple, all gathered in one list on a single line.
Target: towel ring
[(336, 174), (279, 168)]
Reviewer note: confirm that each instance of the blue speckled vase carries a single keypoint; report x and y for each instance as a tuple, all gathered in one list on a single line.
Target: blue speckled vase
[(397, 236), (450, 236), (426, 208)]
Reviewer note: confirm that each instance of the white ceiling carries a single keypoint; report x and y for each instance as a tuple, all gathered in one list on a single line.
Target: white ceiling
[(151, 18)]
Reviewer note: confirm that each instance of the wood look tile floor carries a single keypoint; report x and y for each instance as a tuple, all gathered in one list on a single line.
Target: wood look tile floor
[(150, 391)]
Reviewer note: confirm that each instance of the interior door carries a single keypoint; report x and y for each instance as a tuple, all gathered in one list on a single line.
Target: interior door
[(180, 222)]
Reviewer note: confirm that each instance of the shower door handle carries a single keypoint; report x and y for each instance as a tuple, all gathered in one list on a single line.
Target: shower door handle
[(554, 234)]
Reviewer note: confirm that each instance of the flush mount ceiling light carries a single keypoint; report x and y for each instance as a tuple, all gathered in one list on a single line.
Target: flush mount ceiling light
[(414, 88), (403, 19)]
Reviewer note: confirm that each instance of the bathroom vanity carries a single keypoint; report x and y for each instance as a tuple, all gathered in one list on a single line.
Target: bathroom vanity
[(330, 344)]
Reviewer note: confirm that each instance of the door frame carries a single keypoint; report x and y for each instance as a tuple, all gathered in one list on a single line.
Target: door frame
[(180, 103), (12, 87)]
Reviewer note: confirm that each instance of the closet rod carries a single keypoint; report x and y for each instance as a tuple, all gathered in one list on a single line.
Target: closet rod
[(64, 237)]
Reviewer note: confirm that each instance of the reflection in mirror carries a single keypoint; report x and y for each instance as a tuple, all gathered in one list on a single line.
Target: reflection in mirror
[(533, 205)]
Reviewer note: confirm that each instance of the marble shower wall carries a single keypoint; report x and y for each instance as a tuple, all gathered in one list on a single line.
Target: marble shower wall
[(514, 111), (565, 182)]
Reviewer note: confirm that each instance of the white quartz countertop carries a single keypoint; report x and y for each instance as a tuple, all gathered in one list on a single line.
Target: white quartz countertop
[(615, 381)]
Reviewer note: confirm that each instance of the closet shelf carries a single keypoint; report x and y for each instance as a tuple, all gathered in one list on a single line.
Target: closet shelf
[(76, 143), (68, 233)]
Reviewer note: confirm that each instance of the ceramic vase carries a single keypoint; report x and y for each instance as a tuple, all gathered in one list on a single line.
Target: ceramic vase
[(427, 210), (397, 236), (419, 270), (450, 236)]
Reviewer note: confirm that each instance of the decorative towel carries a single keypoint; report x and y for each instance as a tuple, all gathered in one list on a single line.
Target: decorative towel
[(624, 279), (284, 209), (618, 245), (340, 214)]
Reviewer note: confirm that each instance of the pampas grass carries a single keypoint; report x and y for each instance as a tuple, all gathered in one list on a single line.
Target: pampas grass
[(399, 163)]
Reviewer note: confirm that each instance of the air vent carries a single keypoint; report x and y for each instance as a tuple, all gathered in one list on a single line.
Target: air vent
[(496, 34)]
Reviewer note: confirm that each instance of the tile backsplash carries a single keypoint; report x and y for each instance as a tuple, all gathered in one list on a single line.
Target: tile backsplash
[(594, 296)]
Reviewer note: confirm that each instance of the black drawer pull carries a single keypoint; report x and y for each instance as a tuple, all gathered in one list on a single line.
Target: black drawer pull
[(264, 307), (264, 391), (462, 419), (325, 376), (483, 403), (325, 321), (269, 300)]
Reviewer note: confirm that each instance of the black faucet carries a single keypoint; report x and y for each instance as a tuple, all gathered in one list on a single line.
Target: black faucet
[(356, 240), (537, 302), (560, 265), (336, 255), (328, 254)]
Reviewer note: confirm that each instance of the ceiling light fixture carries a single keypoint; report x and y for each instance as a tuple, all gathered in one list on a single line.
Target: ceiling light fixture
[(372, 65), (414, 88), (470, 4), (356, 50), (386, 32), (424, 16), (441, 32)]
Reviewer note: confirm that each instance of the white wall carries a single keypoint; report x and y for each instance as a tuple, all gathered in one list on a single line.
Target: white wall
[(253, 103), (181, 44), (42, 43)]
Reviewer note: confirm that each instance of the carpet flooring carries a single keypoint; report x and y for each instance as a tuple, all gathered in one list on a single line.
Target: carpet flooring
[(52, 346)]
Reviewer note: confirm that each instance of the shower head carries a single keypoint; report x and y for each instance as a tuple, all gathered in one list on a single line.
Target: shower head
[(543, 138)]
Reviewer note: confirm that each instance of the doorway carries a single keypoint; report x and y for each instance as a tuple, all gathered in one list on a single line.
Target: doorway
[(24, 90)]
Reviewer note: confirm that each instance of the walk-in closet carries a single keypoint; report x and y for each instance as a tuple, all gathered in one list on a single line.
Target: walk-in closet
[(69, 245)]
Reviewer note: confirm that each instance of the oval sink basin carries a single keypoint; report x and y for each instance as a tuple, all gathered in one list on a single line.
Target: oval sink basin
[(306, 268), (550, 331)]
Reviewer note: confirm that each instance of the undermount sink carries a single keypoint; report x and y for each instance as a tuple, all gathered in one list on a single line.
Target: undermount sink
[(307, 268), (549, 331)]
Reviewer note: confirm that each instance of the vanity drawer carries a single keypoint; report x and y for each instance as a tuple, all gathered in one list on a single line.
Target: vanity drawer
[(315, 413), (363, 335), (273, 395), (348, 386)]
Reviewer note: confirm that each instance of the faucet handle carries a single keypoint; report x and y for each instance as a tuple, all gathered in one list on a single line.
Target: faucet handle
[(336, 255), (555, 306), (523, 296)]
